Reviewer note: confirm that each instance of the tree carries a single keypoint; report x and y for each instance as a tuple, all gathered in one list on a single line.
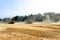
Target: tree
[(15, 18), (6, 19), (29, 19), (25, 17), (0, 19), (38, 17), (52, 16), (21, 18)]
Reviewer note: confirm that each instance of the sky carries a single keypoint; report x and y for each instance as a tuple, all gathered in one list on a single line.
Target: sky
[(10, 8)]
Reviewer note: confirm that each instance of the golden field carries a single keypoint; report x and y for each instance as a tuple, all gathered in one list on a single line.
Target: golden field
[(35, 31)]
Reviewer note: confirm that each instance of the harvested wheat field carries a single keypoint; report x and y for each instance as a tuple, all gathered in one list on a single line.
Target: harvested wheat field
[(35, 31)]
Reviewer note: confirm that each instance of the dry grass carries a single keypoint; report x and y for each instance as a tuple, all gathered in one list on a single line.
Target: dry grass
[(30, 31)]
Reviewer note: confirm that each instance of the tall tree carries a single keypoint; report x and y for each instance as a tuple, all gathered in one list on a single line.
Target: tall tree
[(15, 18)]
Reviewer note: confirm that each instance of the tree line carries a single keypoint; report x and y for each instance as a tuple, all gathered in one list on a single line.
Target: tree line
[(52, 16)]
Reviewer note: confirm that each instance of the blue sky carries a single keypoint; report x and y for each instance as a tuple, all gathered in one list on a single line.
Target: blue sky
[(10, 8)]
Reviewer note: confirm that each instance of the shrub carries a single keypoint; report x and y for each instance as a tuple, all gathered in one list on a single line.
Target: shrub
[(29, 21), (11, 22)]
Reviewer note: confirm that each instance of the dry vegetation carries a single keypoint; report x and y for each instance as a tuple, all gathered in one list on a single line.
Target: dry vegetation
[(20, 31)]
